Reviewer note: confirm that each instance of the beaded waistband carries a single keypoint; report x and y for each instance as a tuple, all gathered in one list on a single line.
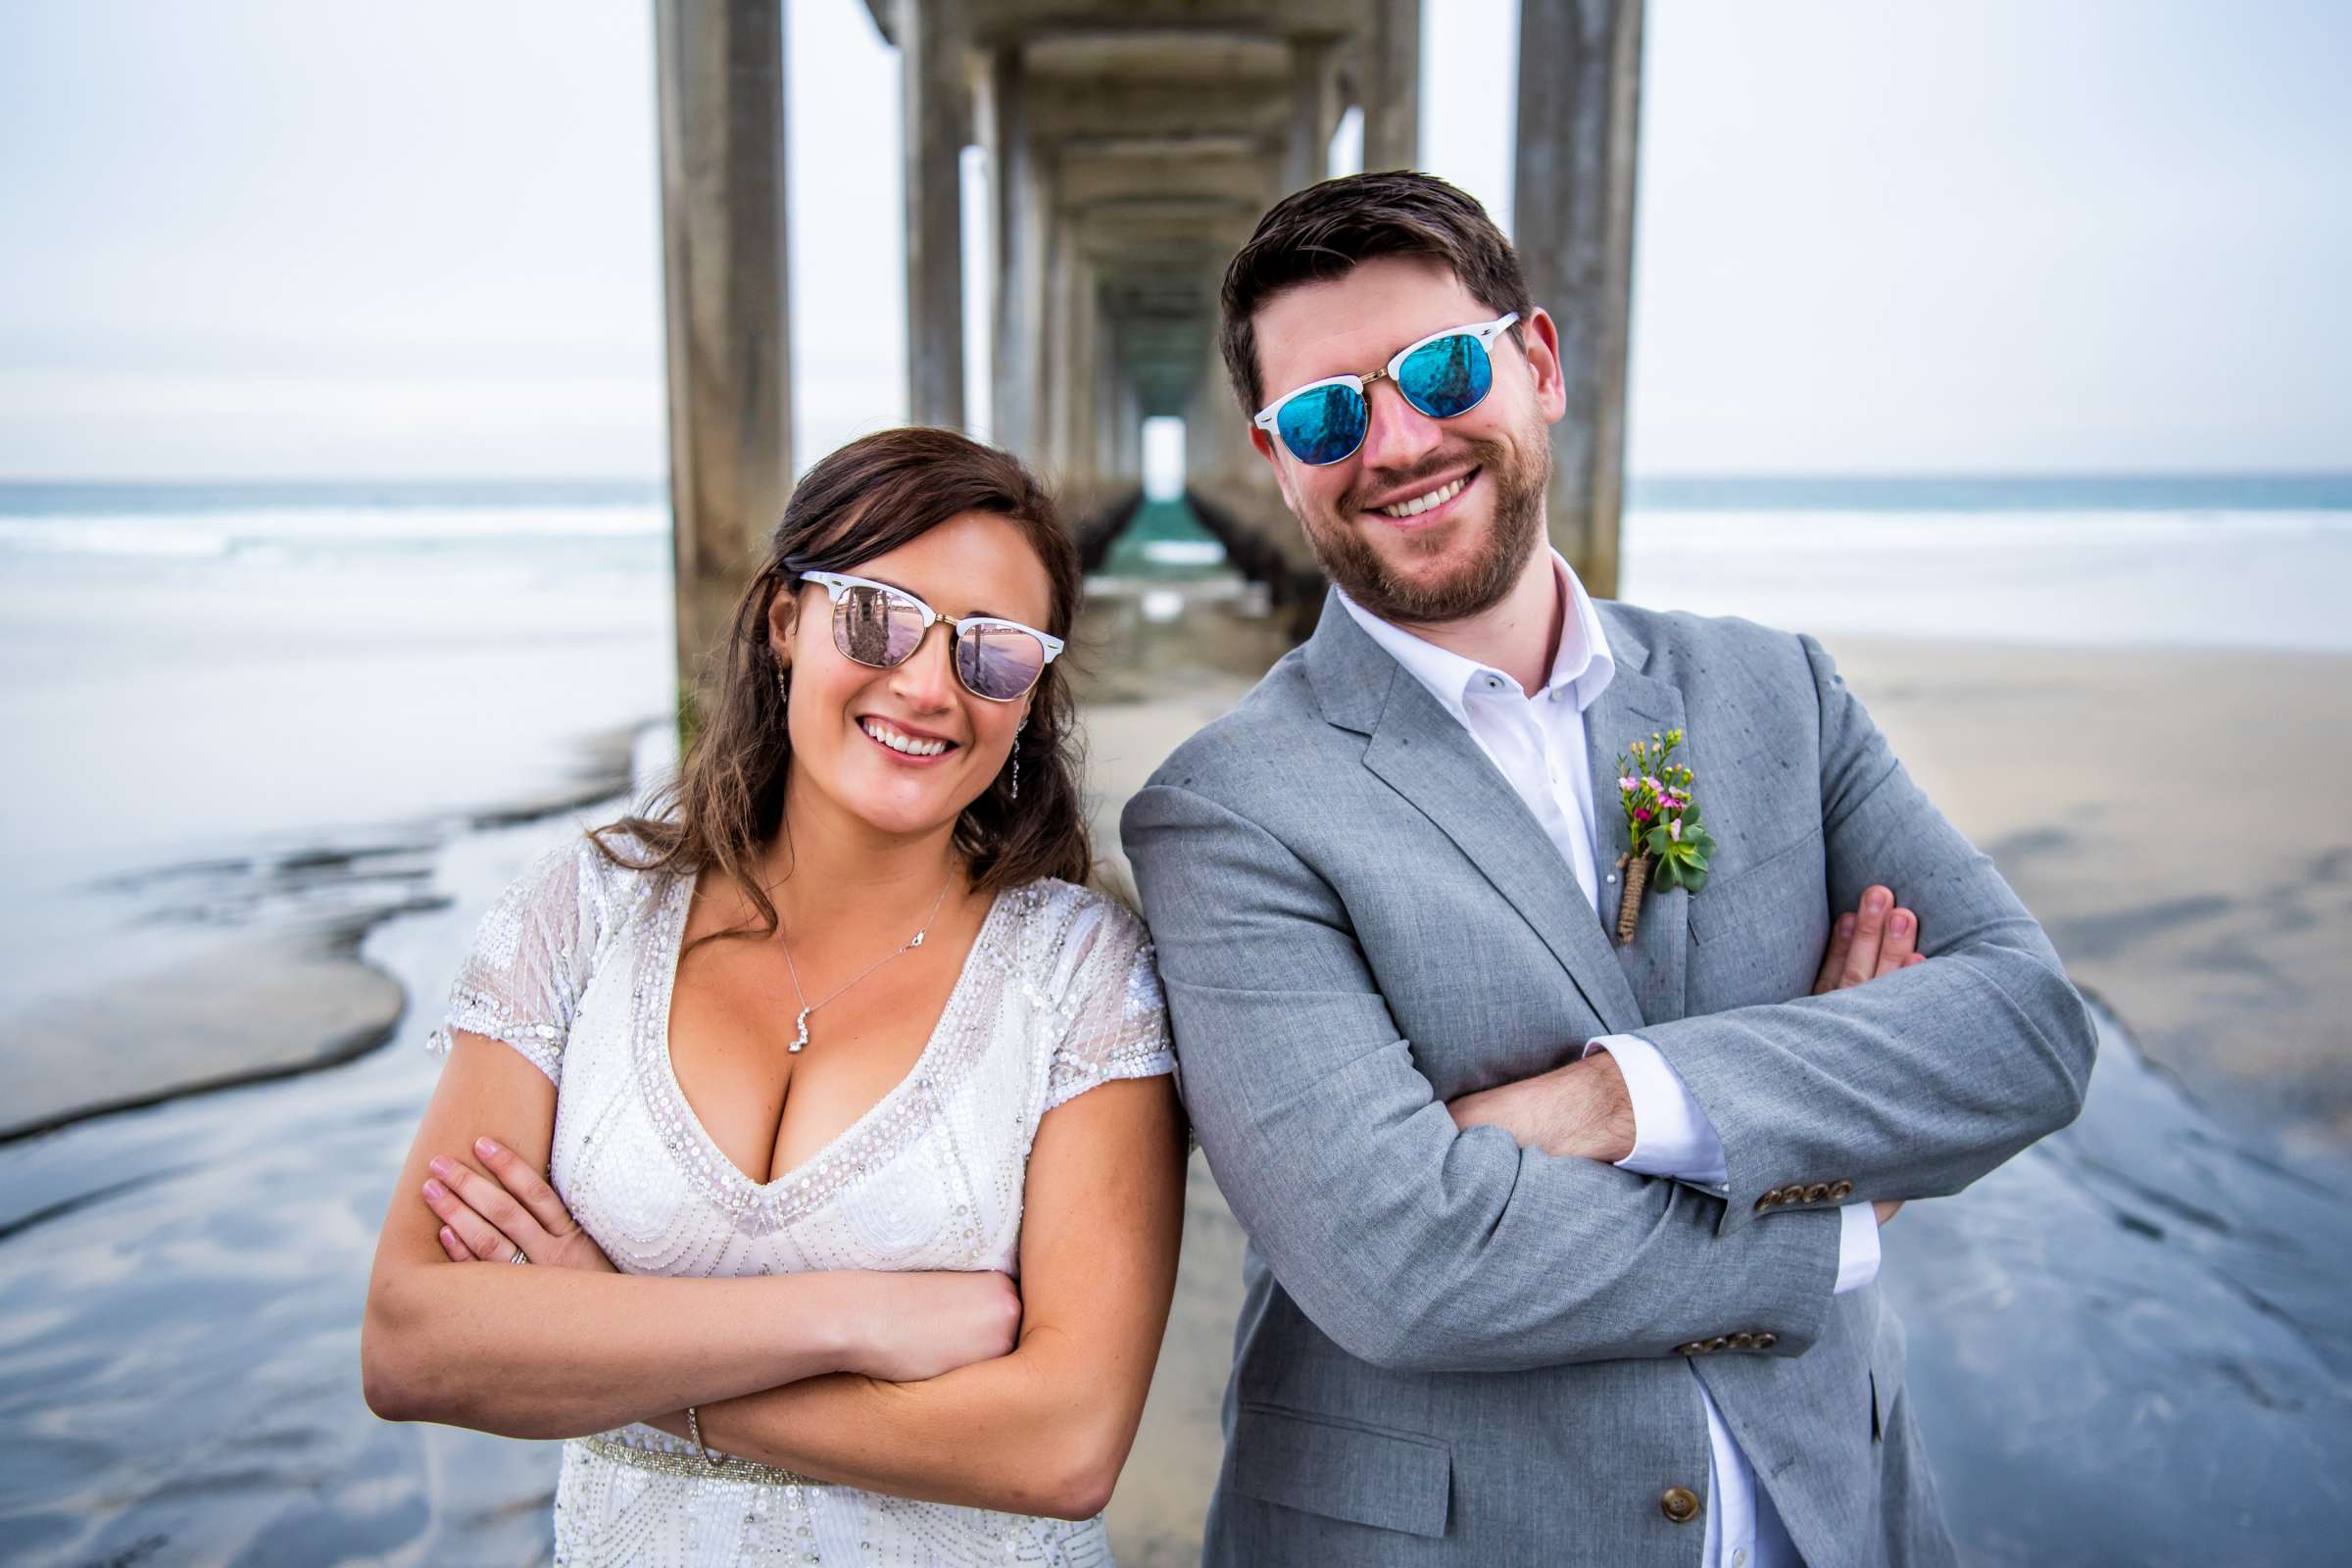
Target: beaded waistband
[(693, 1467)]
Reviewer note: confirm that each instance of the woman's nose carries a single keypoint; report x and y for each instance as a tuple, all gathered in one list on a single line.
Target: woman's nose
[(927, 677)]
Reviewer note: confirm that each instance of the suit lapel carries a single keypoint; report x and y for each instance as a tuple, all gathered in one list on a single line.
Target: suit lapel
[(1425, 755), (1634, 707)]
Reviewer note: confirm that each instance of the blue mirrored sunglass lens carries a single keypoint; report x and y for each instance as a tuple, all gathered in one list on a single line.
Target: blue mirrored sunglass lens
[(1323, 426), (1446, 377)]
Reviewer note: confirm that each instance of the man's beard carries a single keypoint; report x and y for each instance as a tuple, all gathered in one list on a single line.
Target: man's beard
[(1480, 583)]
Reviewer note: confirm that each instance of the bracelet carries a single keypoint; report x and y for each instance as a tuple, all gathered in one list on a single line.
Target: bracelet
[(694, 1430)]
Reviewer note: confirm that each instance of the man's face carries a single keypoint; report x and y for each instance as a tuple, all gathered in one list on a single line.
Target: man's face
[(1460, 556)]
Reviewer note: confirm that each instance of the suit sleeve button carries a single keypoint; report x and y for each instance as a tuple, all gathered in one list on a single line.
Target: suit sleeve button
[(1817, 1192), (1839, 1192), (1767, 1340), (1768, 1200)]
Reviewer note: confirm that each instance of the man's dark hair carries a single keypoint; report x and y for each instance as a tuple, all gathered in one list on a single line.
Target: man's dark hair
[(1325, 230)]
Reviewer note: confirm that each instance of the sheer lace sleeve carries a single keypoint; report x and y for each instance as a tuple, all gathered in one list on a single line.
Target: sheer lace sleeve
[(531, 958), (1118, 1024)]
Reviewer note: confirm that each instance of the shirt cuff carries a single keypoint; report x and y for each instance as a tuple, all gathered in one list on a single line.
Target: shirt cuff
[(1672, 1136), (1857, 1247)]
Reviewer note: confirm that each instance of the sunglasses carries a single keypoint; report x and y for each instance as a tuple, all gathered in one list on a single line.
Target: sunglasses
[(1443, 375), (880, 626)]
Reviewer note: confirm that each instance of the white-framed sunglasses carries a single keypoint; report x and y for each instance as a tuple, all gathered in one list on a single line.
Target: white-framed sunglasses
[(880, 627), (1443, 374)]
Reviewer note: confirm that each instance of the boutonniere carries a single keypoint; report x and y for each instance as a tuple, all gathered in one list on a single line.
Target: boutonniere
[(1661, 823)]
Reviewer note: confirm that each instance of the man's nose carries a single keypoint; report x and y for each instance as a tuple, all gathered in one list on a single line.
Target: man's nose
[(1397, 435), (927, 678)]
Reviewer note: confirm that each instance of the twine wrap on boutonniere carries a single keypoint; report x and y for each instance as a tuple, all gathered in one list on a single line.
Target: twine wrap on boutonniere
[(1661, 821)]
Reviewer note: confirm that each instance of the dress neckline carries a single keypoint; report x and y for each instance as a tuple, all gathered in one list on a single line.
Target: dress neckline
[(736, 1187)]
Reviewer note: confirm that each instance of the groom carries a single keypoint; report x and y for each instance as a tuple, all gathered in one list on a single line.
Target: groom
[(1561, 1249)]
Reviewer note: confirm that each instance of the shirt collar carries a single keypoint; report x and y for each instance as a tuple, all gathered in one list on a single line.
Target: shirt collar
[(1583, 666)]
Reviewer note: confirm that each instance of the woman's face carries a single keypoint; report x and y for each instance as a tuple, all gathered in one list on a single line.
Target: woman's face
[(842, 716)]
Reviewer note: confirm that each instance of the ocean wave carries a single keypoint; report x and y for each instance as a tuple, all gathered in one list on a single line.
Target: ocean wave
[(272, 533)]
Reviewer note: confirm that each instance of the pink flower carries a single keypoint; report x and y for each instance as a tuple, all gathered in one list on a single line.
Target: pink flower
[(1629, 784), (1674, 830), (1641, 813)]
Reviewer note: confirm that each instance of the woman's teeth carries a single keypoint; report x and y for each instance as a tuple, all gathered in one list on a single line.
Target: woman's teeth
[(1420, 503), (899, 741)]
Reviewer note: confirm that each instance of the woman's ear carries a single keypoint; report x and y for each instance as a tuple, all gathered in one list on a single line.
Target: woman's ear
[(783, 617)]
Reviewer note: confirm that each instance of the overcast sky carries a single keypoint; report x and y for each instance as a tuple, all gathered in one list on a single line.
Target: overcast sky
[(304, 237)]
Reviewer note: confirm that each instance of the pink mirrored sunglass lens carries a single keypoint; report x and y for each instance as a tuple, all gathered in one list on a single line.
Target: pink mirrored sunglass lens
[(876, 628), (997, 661)]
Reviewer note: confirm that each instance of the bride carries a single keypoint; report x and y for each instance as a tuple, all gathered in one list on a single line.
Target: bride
[(820, 1056)]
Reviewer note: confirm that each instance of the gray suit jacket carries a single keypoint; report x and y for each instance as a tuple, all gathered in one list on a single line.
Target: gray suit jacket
[(1455, 1350)]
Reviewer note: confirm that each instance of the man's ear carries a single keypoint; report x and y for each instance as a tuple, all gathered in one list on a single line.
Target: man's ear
[(1543, 350)]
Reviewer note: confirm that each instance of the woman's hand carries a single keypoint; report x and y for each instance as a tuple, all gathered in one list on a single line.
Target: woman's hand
[(909, 1327), (489, 1222), (899, 1328)]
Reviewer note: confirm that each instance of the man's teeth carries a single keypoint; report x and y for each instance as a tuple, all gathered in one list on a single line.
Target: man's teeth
[(898, 740), (1420, 503)]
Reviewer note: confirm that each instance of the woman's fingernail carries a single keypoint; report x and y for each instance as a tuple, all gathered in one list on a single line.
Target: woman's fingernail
[(449, 1238), (1845, 925), (437, 1165), (1902, 922), (1877, 900), (489, 1150), (435, 1189)]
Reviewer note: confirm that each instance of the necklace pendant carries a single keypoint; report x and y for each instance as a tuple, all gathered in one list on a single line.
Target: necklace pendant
[(917, 941), (795, 1047)]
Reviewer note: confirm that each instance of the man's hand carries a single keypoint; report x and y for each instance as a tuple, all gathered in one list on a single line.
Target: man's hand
[(1581, 1109), (1874, 940)]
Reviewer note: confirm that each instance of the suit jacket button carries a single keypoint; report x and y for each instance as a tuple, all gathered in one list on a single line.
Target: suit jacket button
[(1839, 1192), (1716, 1343), (1767, 1340), (1817, 1192), (1680, 1504), (1743, 1342), (1768, 1200)]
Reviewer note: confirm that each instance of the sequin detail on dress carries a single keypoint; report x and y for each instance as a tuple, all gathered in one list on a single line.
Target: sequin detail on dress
[(573, 968)]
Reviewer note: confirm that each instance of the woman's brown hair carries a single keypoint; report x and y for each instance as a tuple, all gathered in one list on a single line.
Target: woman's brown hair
[(865, 499)]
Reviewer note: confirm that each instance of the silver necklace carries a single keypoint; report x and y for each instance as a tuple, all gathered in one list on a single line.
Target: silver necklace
[(801, 1040)]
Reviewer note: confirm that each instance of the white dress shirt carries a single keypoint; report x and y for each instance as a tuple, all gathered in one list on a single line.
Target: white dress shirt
[(1536, 741)]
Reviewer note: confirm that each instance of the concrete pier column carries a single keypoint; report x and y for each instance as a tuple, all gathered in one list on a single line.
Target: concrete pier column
[(1392, 89), (1023, 203), (1580, 74), (1314, 113), (719, 74), (1080, 370), (1054, 350), (939, 120)]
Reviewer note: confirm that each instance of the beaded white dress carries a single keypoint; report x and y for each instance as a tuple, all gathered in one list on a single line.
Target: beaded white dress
[(573, 966)]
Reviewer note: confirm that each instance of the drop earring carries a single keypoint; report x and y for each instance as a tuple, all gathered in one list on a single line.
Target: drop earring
[(1016, 757)]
